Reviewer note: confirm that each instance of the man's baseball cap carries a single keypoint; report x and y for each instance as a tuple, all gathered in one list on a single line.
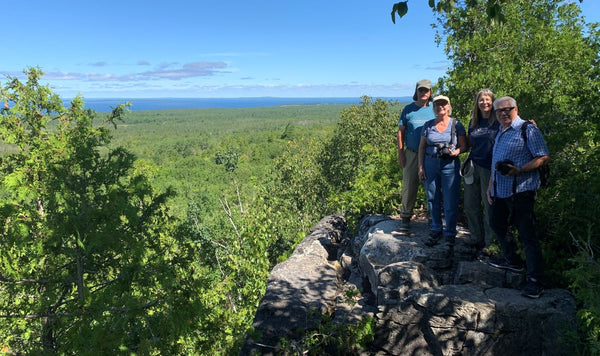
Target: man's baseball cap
[(424, 83)]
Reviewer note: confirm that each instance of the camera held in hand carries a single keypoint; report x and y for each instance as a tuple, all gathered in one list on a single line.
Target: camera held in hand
[(443, 150), (504, 166)]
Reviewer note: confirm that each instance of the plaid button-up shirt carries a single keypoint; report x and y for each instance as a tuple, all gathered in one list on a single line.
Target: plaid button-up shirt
[(509, 145)]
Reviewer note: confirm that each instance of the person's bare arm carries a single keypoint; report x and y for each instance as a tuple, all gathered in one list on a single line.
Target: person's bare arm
[(489, 190), (529, 166), (401, 140), (422, 147), (461, 147)]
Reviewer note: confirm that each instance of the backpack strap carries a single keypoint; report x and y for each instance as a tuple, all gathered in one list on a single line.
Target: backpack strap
[(524, 135), (453, 131), (524, 131), (543, 170)]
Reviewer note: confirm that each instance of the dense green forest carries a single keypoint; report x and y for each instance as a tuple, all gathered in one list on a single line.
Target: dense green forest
[(154, 232), (187, 148)]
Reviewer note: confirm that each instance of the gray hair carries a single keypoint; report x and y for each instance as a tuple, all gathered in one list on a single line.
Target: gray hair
[(476, 113), (511, 101)]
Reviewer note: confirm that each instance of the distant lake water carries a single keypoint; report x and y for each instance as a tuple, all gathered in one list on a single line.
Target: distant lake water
[(138, 104)]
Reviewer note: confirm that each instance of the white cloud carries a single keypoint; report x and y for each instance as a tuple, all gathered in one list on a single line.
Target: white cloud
[(188, 70)]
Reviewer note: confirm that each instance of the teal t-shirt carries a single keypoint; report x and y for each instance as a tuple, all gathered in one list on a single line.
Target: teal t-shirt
[(413, 117)]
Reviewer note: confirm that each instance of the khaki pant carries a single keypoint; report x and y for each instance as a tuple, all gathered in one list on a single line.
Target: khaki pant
[(410, 183), (477, 207)]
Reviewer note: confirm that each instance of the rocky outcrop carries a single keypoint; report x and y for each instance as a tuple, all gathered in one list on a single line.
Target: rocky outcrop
[(426, 300)]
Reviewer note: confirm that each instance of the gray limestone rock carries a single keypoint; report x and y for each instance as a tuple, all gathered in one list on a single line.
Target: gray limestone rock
[(436, 300)]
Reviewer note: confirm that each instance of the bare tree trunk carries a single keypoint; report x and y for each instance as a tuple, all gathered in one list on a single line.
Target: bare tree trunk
[(80, 284), (48, 341), (47, 334)]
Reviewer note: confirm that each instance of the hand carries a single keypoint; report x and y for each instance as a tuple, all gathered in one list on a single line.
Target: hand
[(422, 175), (401, 159), (513, 171)]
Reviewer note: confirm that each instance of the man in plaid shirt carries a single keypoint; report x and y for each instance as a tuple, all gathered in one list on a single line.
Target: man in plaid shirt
[(511, 192)]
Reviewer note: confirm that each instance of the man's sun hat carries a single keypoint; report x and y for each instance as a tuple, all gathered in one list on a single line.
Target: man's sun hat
[(466, 171)]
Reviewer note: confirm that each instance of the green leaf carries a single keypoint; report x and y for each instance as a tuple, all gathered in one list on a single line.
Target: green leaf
[(401, 8)]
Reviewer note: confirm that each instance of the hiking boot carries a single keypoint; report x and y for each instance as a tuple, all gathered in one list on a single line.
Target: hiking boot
[(483, 255), (474, 241), (434, 237), (502, 263), (532, 289)]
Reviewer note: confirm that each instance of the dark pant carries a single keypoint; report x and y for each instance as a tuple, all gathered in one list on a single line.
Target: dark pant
[(518, 210)]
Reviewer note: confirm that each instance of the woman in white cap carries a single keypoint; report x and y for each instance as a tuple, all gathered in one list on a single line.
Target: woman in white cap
[(442, 140)]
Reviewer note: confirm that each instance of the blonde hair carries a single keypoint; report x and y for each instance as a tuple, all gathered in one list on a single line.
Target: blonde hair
[(435, 106), (476, 113)]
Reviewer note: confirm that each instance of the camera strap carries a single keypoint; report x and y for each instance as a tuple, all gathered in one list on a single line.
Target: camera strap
[(514, 187), (452, 131)]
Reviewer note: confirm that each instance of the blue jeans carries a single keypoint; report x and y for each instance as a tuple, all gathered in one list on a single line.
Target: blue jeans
[(443, 189)]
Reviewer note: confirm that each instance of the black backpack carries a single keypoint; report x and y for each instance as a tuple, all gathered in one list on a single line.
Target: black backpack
[(544, 170)]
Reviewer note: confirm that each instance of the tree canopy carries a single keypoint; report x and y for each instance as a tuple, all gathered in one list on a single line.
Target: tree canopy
[(87, 259), (493, 8)]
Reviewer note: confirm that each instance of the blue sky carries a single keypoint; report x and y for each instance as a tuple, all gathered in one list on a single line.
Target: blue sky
[(224, 48)]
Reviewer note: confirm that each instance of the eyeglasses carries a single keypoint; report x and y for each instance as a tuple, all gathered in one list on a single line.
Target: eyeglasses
[(504, 110), (423, 90)]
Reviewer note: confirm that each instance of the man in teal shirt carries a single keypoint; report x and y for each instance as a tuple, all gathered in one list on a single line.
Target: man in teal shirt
[(410, 125)]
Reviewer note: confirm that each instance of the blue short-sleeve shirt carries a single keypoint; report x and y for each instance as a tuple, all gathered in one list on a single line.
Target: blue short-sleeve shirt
[(412, 118), (433, 136), (510, 145)]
